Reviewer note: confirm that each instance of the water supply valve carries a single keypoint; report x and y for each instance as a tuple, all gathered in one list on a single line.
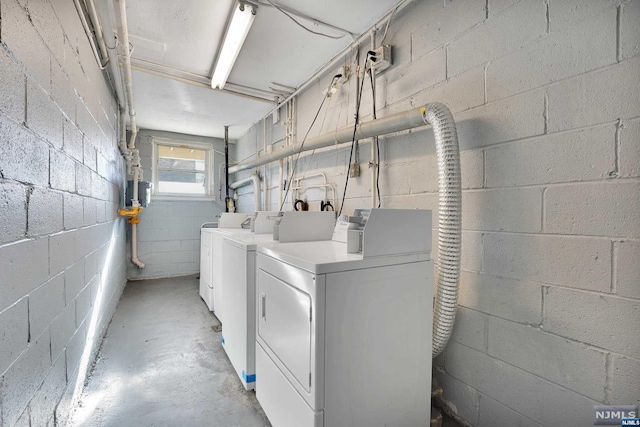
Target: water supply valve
[(132, 213)]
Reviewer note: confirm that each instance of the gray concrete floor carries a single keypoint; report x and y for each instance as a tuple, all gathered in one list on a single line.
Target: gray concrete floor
[(162, 364)]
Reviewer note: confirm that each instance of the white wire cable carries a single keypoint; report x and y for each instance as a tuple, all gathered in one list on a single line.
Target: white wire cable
[(384, 36), (279, 8)]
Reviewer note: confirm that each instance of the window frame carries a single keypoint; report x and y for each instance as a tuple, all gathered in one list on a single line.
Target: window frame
[(208, 169)]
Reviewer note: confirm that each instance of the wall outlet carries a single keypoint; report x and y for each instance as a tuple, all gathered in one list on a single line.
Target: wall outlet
[(383, 58), (354, 170), (346, 73)]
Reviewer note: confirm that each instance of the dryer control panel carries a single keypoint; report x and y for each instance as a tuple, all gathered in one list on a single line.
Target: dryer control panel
[(382, 232)]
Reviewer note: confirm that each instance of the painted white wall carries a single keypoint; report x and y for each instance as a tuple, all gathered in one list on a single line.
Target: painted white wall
[(545, 99), (62, 245), (169, 230)]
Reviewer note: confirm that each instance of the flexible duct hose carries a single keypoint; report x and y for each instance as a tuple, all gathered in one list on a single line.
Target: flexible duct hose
[(449, 222)]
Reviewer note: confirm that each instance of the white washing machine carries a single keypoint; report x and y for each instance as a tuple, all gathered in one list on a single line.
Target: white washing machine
[(344, 339), (238, 278), (227, 223)]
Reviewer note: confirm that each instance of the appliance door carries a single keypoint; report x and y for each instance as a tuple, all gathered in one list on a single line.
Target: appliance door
[(284, 324), (290, 326), (279, 399)]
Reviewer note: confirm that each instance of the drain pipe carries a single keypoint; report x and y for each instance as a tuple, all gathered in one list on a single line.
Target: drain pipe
[(124, 60), (132, 155), (280, 182), (255, 180), (135, 221)]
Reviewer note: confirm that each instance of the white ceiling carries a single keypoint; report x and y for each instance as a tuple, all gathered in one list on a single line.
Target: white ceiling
[(186, 35)]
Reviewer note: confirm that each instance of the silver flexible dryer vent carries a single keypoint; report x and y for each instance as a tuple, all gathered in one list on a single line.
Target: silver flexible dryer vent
[(449, 222)]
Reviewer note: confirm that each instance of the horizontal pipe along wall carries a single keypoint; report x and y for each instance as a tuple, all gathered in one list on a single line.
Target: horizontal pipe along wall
[(544, 95)]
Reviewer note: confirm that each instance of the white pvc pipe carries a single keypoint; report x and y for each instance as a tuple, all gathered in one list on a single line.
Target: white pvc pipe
[(134, 227), (394, 123), (93, 15), (280, 181), (134, 246), (87, 30), (125, 62), (255, 180), (133, 157), (297, 186), (256, 192), (323, 186), (122, 143), (136, 179)]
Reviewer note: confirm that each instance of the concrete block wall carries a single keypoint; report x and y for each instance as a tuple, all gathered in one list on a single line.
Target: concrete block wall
[(62, 246), (545, 98), (169, 231)]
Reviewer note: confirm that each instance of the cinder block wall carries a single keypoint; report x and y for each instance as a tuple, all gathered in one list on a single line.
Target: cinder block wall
[(169, 230), (62, 246), (545, 95)]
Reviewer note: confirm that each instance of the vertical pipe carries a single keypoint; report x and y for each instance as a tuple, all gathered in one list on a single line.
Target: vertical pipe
[(226, 168), (255, 180), (85, 25), (134, 227), (133, 156), (134, 246), (95, 21), (264, 169), (136, 180), (125, 62), (122, 143), (280, 182), (373, 165)]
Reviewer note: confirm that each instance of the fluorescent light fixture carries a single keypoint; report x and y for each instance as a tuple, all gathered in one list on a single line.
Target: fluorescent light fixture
[(241, 21)]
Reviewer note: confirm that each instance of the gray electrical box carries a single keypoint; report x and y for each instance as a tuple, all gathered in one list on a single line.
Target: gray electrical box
[(144, 193)]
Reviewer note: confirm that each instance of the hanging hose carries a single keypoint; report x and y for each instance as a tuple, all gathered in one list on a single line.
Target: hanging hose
[(325, 206), (449, 227), (304, 206)]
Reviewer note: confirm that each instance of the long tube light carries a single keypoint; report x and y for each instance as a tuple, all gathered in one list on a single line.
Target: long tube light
[(241, 21)]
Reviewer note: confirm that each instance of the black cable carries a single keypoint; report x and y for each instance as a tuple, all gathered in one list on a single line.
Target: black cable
[(373, 94), (295, 164), (353, 138)]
